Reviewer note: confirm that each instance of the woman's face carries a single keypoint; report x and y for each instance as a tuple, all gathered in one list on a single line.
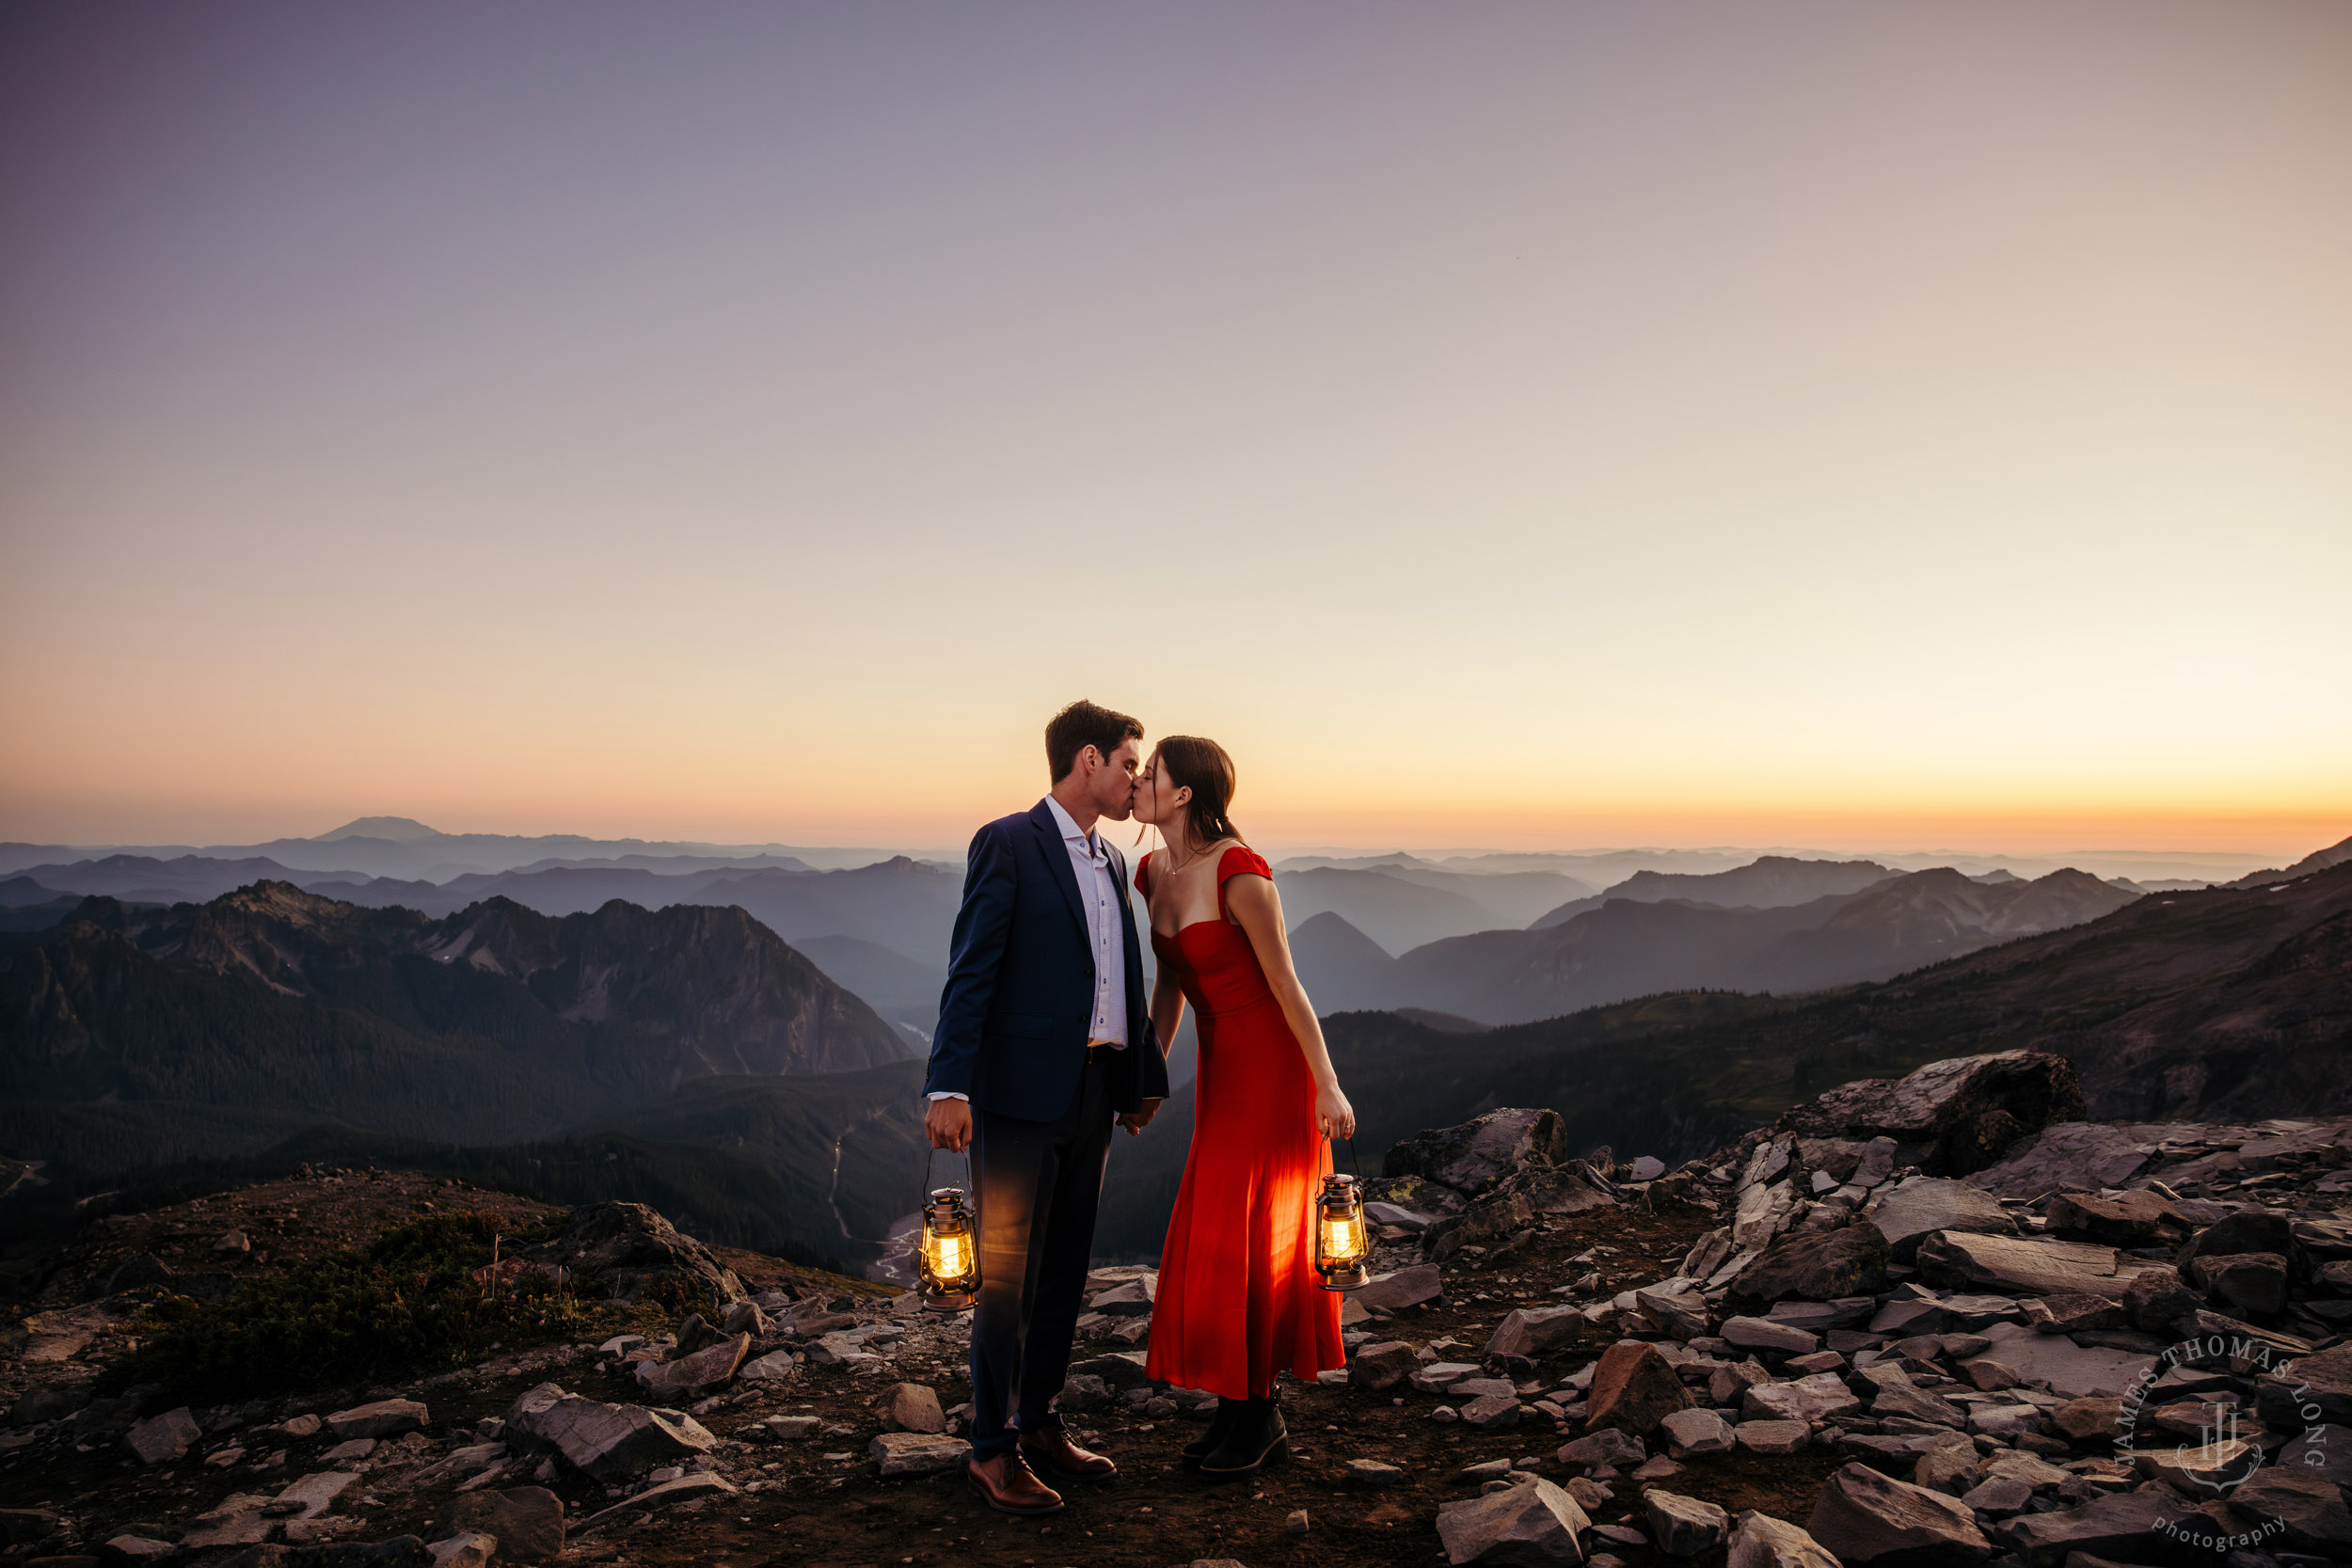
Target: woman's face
[(1159, 800)]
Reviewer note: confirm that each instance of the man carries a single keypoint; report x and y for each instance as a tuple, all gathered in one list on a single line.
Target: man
[(1045, 1036)]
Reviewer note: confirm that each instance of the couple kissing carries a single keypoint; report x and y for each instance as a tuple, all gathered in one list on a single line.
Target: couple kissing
[(1046, 1039)]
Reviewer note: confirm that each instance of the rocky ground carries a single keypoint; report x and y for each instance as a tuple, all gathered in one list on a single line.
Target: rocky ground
[(1932, 1320)]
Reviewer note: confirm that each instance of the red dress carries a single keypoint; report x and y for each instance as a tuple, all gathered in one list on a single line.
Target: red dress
[(1239, 1299)]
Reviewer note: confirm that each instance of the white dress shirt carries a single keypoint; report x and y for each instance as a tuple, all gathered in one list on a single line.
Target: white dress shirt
[(1099, 891)]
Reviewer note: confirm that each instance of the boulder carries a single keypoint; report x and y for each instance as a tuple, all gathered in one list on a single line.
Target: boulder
[(160, 1439), (124, 1551), (1533, 1332), (471, 1549), (313, 1494), (1926, 1204), (1821, 1396), (2087, 1421), (916, 1453), (745, 1317), (776, 1364), (382, 1418), (911, 1407), (607, 1441), (1491, 1412), (2314, 1390), (1381, 1367), (1606, 1447), (2125, 1526), (1407, 1287), (2020, 1265), (1763, 1212), (1765, 1333), (623, 1248), (1082, 1391), (1436, 1377), (2129, 1219), (1634, 1389), (528, 1520), (236, 1520), (1825, 1265), (1684, 1526), (1131, 1298), (2312, 1510), (2155, 1298), (2246, 1281), (1898, 1396), (2074, 1156), (1969, 1110), (1771, 1436), (1519, 1526), (1862, 1516), (708, 1368), (2323, 1450), (2243, 1231), (1373, 1473), (1760, 1540), (1693, 1432), (1476, 1155)]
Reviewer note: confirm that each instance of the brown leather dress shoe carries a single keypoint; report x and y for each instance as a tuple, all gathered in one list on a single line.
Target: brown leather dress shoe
[(1007, 1484), (1050, 1450)]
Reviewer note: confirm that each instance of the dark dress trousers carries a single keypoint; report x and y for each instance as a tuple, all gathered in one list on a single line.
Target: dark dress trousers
[(1012, 1033)]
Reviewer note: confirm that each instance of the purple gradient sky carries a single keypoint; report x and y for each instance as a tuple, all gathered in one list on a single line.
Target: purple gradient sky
[(1519, 425)]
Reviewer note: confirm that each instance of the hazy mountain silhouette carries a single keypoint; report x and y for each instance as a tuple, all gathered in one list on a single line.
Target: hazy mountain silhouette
[(1772, 881), (1628, 947), (2318, 860)]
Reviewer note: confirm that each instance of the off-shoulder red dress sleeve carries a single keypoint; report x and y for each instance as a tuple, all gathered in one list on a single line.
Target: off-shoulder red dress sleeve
[(1239, 1300)]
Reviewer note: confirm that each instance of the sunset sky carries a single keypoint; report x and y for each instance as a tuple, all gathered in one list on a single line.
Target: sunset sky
[(1524, 426)]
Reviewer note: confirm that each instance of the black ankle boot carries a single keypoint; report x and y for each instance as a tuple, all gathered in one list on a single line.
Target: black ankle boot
[(1228, 1412), (1258, 1439)]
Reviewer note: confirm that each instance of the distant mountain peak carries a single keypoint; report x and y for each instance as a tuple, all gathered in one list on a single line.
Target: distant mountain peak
[(400, 829)]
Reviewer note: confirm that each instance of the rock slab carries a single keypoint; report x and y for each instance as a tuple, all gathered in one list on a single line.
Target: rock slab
[(1533, 1525)]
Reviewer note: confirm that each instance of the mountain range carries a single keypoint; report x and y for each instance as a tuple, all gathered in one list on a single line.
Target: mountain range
[(2217, 1004), (1624, 948), (129, 1035)]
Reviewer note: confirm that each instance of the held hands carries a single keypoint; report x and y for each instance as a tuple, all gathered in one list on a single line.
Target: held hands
[(949, 1124), (1334, 1117), (1136, 1121)]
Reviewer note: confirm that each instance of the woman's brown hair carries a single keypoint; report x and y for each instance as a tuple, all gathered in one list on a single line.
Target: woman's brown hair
[(1192, 762)]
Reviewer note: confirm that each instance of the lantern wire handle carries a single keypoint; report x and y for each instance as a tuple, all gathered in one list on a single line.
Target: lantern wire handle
[(928, 1161), (1353, 1168)]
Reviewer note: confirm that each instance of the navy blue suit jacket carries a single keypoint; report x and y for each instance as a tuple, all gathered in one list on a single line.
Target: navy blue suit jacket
[(1014, 1018)]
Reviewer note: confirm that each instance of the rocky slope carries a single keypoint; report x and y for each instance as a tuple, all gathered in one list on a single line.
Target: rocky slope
[(1920, 1320)]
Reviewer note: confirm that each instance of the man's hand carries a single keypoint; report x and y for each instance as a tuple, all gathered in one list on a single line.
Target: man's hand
[(950, 1123), (1136, 1121)]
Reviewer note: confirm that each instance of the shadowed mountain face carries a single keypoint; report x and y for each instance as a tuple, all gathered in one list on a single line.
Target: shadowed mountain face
[(131, 1035), (1628, 948)]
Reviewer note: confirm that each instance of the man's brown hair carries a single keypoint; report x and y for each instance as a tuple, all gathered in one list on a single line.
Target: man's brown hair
[(1083, 724)]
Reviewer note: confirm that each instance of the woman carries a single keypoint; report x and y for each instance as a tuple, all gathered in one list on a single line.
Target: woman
[(1239, 1300)]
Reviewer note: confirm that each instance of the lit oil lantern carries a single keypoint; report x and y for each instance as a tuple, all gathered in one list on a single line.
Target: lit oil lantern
[(951, 1254), (1342, 1239)]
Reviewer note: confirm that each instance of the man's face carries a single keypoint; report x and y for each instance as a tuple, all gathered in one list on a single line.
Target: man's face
[(1112, 787)]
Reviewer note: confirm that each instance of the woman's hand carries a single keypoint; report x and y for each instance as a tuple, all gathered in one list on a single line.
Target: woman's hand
[(1334, 1117)]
